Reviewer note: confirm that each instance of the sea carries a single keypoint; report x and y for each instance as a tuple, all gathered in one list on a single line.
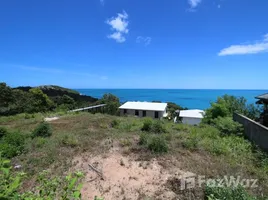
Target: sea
[(190, 98)]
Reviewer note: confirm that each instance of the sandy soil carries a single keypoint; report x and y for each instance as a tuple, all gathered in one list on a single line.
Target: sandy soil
[(124, 177), (49, 119)]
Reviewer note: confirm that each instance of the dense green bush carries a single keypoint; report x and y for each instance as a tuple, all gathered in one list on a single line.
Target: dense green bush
[(42, 130), (227, 126), (216, 110), (226, 105), (147, 124), (157, 144), (12, 144), (158, 127), (155, 126)]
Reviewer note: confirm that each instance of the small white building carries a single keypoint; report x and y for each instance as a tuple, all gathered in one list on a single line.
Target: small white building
[(192, 117), (144, 109)]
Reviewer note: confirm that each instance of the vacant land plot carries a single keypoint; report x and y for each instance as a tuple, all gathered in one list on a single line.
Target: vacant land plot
[(120, 161)]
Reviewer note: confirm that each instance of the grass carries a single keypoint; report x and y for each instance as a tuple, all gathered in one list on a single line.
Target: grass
[(200, 149)]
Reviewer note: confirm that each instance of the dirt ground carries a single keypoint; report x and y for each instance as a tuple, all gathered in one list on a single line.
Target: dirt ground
[(124, 177)]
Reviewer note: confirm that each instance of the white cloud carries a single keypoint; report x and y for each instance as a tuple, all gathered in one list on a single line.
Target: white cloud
[(118, 37), (119, 24), (258, 47), (145, 40), (194, 3)]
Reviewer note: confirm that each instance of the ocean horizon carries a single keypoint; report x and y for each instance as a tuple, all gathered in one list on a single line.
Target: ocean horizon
[(190, 98)]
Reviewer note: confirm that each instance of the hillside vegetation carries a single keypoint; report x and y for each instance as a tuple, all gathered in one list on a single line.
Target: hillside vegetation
[(202, 150), (40, 99), (96, 156)]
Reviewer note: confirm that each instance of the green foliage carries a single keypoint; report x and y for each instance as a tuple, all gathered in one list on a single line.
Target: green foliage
[(51, 188), (9, 184), (226, 105), (158, 126), (5, 95), (230, 193), (39, 99), (12, 144), (153, 142), (65, 103), (144, 139), (112, 104), (147, 124), (115, 123), (40, 102), (227, 126), (155, 126), (3, 132), (47, 188), (172, 107), (68, 140), (42, 130), (216, 110), (157, 144)]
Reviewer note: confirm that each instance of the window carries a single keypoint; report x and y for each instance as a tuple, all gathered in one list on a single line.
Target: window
[(156, 115), (136, 112), (144, 113), (125, 111)]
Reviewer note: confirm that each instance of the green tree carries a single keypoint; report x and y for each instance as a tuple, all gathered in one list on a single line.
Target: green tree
[(112, 104), (226, 105), (39, 101), (172, 107), (66, 102), (5, 95)]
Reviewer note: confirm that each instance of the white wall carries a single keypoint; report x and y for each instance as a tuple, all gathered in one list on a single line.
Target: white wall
[(191, 121), (149, 113)]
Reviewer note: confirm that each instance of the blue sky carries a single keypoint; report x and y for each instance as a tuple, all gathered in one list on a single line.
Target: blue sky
[(212, 44)]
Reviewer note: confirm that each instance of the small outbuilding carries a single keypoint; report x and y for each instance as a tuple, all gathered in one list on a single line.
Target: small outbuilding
[(192, 117), (144, 109)]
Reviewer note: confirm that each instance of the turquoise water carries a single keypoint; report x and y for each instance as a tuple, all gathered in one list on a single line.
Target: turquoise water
[(187, 98)]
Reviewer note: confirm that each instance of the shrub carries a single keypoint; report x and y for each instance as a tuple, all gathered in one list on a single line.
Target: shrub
[(227, 126), (48, 188), (115, 123), (12, 144), (230, 193), (147, 124), (158, 127), (125, 142), (68, 140), (216, 110), (3, 132), (42, 130), (157, 144), (143, 139)]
